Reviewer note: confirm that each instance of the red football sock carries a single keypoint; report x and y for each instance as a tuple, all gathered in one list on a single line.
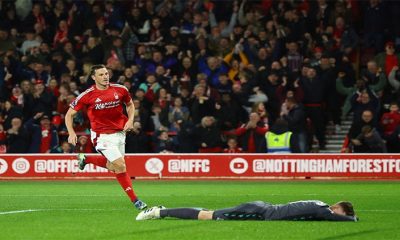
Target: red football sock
[(126, 184), (98, 160)]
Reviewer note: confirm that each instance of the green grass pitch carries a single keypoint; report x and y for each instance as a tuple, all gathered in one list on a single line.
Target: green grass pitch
[(100, 210)]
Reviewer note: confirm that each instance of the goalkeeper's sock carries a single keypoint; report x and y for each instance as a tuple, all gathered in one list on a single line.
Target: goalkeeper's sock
[(98, 160), (126, 184), (182, 213)]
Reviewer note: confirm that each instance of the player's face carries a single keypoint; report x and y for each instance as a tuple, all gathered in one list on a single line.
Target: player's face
[(102, 77), (338, 210)]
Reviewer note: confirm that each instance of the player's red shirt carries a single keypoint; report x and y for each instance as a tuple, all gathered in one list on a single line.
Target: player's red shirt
[(105, 110)]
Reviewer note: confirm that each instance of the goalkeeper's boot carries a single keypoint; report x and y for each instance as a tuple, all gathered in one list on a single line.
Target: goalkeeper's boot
[(151, 213), (139, 204), (81, 161)]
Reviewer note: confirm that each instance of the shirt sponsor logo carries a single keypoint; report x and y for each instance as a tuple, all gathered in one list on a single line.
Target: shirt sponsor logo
[(189, 165), (100, 106)]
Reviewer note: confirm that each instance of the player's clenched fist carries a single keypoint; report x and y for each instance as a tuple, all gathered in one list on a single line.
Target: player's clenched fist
[(72, 139), (128, 126)]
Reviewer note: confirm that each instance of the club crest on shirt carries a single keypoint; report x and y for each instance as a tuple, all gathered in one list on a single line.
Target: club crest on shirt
[(116, 96)]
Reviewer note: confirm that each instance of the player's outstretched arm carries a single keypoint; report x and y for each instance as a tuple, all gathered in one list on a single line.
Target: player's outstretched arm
[(69, 118)]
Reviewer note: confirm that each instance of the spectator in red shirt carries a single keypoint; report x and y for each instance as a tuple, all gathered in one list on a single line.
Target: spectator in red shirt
[(388, 59), (3, 137), (252, 134), (232, 146), (63, 103), (390, 121), (44, 136), (61, 36), (83, 145)]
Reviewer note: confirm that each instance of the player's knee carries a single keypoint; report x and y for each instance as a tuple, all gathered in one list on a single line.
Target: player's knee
[(119, 166), (110, 167)]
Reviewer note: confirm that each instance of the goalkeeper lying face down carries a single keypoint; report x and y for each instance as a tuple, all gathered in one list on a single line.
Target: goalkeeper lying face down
[(258, 210)]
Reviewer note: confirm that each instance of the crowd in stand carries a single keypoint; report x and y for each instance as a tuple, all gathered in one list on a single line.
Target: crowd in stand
[(205, 76)]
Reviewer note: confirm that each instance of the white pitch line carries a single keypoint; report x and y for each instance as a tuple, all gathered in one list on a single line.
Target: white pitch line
[(60, 209), (19, 211)]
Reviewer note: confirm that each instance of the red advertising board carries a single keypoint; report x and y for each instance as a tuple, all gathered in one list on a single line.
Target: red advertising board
[(213, 166)]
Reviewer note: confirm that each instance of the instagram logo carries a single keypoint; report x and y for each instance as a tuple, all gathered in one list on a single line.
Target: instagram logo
[(20, 165)]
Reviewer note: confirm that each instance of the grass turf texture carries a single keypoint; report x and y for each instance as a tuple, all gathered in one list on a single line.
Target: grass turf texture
[(100, 210)]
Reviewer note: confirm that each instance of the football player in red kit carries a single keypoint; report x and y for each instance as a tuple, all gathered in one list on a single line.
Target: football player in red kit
[(109, 124)]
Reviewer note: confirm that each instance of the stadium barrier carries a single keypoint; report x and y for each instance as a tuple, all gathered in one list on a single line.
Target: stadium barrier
[(208, 166)]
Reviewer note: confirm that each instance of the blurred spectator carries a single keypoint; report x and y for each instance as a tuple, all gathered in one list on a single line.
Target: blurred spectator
[(294, 114), (212, 67), (236, 60), (229, 113), (93, 51), (314, 94), (150, 87), (367, 118), (394, 81), (201, 105), (390, 121), (137, 141), (345, 36), (279, 138), (160, 119), (3, 137), (328, 72), (177, 112), (373, 74), (186, 137), (365, 100), (208, 136), (17, 137), (44, 137), (163, 143), (370, 141), (64, 148), (360, 86), (232, 145), (84, 145), (9, 112), (259, 108), (142, 116), (39, 101), (388, 59), (30, 41), (286, 90), (251, 134)]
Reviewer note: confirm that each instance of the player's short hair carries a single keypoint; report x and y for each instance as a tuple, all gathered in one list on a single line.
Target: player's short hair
[(347, 207), (95, 67)]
